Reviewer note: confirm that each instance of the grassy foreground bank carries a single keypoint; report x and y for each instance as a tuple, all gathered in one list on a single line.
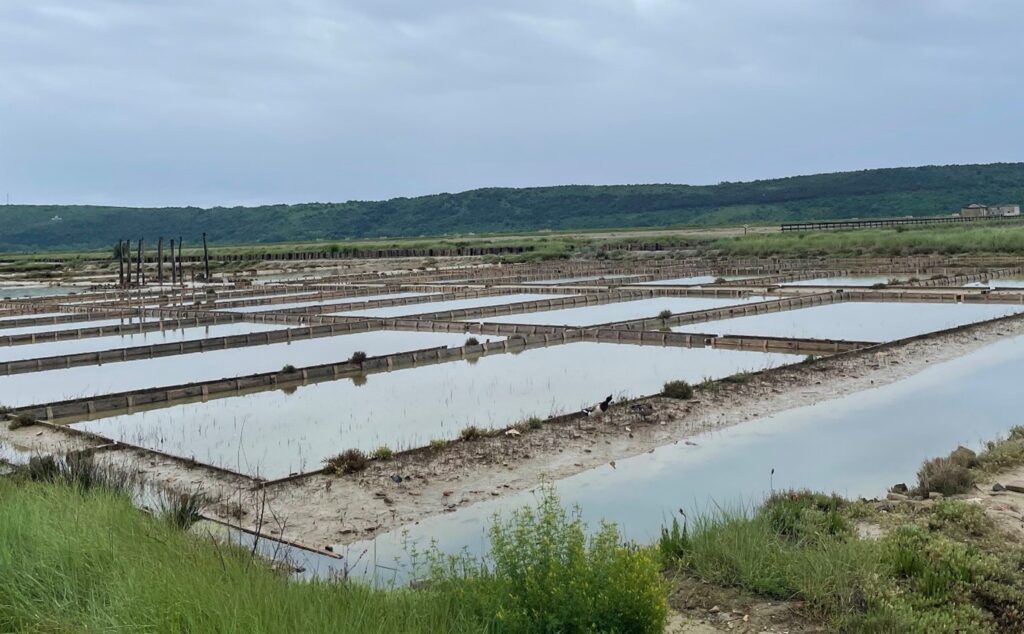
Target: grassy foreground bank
[(76, 556)]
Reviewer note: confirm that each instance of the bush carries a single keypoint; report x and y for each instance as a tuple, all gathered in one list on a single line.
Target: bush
[(288, 368), (382, 453), (348, 461), (1005, 454), (804, 516), (546, 575), (471, 433), (472, 341), (677, 389), (665, 314), (438, 443), (534, 422), (358, 357), (19, 421), (947, 476), (959, 516), (738, 378)]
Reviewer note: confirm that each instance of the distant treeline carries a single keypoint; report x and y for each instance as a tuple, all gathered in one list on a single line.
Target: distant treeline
[(864, 194)]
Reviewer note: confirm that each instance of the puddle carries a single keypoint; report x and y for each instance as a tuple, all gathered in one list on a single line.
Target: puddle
[(275, 433)]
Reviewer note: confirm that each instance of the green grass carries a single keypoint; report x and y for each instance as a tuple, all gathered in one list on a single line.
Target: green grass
[(87, 561), (1002, 237), (949, 573), (79, 558)]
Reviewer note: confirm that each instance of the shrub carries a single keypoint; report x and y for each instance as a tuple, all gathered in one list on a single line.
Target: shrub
[(1003, 454), (438, 443), (358, 357), (720, 280), (665, 314), (472, 341), (382, 453), (348, 461), (546, 575), (738, 378), (943, 475), (183, 509), (959, 516), (288, 368), (471, 433), (677, 389), (804, 516), (878, 285), (19, 421), (534, 422)]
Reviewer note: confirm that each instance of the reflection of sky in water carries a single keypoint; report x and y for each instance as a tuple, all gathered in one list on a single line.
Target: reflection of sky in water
[(275, 433), (19, 292), (843, 281), (619, 311), (857, 445), (855, 321), (328, 302), (67, 325), (54, 385), (94, 344), (455, 304), (698, 279)]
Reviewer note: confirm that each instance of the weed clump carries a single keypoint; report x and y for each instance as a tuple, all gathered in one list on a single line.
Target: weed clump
[(739, 378), (348, 461), (472, 341), (183, 509), (382, 453), (534, 422), (358, 357), (547, 575), (471, 433), (665, 314), (19, 421), (677, 389), (438, 444), (948, 475), (288, 368)]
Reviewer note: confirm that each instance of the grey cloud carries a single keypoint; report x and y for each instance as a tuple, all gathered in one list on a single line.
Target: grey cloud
[(220, 102)]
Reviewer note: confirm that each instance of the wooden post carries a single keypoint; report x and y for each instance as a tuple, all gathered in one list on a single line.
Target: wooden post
[(120, 263), (160, 261), (181, 271), (138, 266), (128, 253), (174, 278), (206, 259)]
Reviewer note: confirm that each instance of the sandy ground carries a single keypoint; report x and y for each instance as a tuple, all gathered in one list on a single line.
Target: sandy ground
[(322, 510)]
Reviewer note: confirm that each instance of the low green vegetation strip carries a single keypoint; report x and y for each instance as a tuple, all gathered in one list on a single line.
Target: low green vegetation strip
[(76, 556)]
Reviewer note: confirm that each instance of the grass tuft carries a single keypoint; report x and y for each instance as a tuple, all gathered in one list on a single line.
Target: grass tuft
[(677, 389)]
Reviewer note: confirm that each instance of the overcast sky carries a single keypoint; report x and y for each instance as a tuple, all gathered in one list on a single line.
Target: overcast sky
[(209, 102)]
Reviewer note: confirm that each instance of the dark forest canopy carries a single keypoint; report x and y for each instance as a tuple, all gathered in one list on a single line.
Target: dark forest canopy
[(920, 191)]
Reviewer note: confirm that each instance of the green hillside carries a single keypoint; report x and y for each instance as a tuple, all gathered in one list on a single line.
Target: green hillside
[(870, 193)]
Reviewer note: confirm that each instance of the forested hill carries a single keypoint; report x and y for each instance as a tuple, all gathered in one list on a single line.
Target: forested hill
[(864, 194)]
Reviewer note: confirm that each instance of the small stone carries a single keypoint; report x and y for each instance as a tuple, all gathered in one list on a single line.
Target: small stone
[(447, 493), (899, 488), (896, 497), (998, 487)]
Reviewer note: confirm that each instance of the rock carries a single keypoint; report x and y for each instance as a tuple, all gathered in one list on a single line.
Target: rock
[(896, 497), (1016, 487), (447, 493), (934, 495), (396, 478), (900, 488), (998, 487)]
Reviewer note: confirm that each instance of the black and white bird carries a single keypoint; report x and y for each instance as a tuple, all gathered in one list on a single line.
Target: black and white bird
[(598, 409)]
